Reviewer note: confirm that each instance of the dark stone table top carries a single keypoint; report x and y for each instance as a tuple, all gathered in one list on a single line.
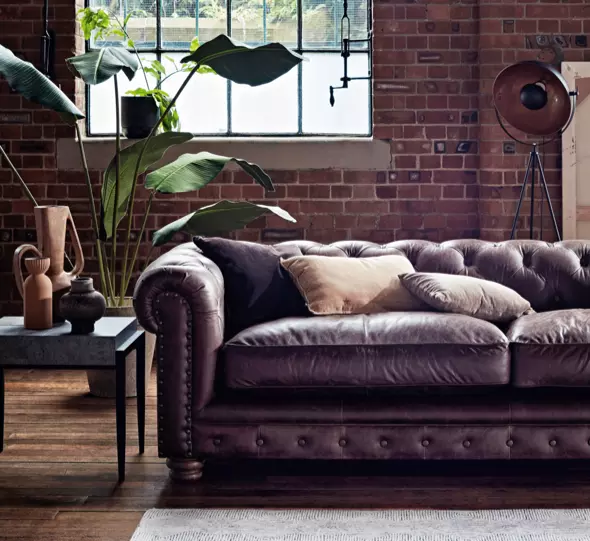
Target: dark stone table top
[(56, 347)]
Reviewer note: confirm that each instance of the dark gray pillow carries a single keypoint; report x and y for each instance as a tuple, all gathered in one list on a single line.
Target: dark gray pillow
[(257, 288)]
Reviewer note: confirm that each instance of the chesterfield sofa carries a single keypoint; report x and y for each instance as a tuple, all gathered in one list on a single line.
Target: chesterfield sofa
[(389, 386)]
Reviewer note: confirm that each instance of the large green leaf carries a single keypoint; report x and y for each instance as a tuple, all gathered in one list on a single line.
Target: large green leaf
[(157, 147), (193, 171), (99, 66), (216, 219), (242, 64), (30, 83)]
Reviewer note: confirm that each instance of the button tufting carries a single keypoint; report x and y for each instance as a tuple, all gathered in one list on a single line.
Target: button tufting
[(384, 443), (301, 442), (216, 442), (467, 443), (510, 443), (260, 442), (553, 443), (425, 443), (342, 442)]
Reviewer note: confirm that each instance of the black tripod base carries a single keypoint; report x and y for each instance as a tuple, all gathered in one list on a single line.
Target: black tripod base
[(534, 165)]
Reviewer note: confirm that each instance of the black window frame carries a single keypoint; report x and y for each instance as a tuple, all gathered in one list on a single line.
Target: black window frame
[(159, 51)]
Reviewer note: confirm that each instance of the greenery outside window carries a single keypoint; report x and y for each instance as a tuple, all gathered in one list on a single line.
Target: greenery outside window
[(296, 104)]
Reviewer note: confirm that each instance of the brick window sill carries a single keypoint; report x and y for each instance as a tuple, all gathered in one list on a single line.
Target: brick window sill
[(279, 153)]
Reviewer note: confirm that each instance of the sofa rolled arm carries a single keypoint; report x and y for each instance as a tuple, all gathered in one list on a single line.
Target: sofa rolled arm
[(180, 298)]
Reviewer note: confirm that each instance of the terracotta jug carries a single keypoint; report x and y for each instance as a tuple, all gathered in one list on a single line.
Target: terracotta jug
[(38, 294), (51, 223)]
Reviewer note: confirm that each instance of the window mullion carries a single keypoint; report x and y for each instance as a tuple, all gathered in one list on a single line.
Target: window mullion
[(158, 25), (229, 87), (300, 68)]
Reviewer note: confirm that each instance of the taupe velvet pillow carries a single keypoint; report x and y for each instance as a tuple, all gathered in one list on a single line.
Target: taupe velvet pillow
[(466, 295), (342, 285)]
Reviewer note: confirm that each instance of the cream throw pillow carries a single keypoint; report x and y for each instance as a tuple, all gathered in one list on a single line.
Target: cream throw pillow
[(461, 294), (342, 285)]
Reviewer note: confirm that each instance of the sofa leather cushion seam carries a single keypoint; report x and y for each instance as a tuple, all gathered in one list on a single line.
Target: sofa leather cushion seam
[(340, 346)]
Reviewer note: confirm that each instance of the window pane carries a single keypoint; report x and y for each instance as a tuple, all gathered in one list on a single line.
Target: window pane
[(350, 114), (256, 22), (202, 106), (180, 25), (141, 26), (270, 108), (321, 23), (102, 100)]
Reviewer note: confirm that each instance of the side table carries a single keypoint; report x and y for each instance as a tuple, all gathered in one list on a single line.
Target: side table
[(106, 348)]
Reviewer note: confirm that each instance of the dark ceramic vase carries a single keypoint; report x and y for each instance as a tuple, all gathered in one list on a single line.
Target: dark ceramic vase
[(139, 114), (83, 306)]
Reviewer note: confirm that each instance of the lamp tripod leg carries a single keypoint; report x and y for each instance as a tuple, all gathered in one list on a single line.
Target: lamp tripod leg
[(548, 197), (534, 162), (522, 192)]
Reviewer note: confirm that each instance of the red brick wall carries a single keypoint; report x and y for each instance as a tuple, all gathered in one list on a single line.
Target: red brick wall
[(434, 65)]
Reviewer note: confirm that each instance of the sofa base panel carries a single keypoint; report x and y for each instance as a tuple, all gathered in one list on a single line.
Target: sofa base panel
[(387, 442)]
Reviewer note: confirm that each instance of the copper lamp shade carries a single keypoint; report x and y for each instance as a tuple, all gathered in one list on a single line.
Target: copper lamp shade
[(533, 97)]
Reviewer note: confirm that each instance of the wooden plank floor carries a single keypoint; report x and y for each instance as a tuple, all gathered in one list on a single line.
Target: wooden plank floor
[(58, 479)]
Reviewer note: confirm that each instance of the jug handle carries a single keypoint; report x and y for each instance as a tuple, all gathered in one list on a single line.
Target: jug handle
[(17, 264), (79, 266)]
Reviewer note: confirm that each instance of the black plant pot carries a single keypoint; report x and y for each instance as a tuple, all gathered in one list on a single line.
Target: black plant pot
[(139, 114)]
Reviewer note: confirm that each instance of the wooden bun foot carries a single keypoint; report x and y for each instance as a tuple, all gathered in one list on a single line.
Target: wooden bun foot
[(182, 469)]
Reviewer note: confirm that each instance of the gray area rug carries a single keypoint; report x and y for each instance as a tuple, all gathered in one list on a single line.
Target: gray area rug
[(353, 525)]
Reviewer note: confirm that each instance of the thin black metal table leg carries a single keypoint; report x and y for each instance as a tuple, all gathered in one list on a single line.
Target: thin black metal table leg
[(1, 409), (140, 376), (120, 409)]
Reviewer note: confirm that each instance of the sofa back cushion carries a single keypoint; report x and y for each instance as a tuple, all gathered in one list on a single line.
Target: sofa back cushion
[(549, 275)]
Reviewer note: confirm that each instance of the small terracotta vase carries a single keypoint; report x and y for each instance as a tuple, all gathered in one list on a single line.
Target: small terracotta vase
[(52, 223), (38, 295), (83, 306)]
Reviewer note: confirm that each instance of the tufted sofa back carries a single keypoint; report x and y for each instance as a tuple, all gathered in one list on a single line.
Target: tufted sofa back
[(550, 276)]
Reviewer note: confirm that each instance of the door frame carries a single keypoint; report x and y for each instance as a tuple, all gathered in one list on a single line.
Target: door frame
[(569, 181)]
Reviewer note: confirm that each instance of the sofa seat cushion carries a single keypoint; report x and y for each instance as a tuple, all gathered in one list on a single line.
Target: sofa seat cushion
[(377, 350), (551, 349)]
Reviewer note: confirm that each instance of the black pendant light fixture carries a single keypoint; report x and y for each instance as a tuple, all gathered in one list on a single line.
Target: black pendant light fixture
[(345, 43), (47, 45)]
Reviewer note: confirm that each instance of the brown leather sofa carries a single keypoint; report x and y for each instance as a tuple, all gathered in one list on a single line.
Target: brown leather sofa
[(419, 385)]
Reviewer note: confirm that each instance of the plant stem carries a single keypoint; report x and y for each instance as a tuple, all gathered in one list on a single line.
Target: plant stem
[(138, 243), (94, 217), (20, 179), (135, 51), (117, 179), (129, 210), (110, 293)]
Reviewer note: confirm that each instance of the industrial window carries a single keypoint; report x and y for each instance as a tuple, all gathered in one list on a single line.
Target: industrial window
[(296, 104)]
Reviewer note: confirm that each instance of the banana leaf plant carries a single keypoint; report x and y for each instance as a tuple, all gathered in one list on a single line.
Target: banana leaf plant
[(190, 172)]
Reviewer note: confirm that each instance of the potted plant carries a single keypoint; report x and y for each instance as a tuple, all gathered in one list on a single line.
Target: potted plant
[(190, 172), (236, 62), (142, 106)]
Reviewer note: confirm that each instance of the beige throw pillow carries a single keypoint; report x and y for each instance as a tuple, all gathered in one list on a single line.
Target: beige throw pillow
[(342, 285), (466, 295)]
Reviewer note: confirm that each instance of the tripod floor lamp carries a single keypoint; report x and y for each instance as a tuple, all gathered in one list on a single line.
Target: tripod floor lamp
[(533, 98)]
